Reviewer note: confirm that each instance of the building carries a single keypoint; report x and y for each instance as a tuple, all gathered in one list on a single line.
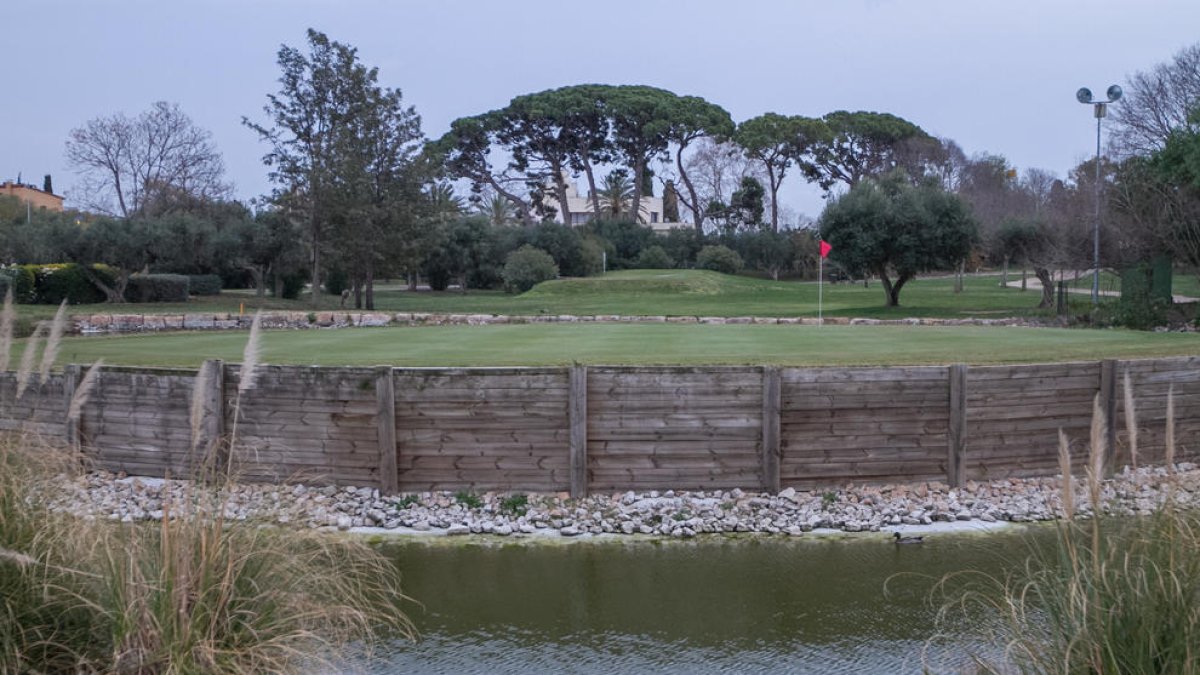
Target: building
[(30, 194), (651, 212)]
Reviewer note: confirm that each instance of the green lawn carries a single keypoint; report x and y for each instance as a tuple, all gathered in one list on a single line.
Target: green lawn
[(553, 344), (654, 292)]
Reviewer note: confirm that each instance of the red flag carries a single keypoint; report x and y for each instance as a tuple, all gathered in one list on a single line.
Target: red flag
[(825, 249)]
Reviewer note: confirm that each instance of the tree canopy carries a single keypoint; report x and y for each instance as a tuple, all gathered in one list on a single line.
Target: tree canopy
[(894, 229)]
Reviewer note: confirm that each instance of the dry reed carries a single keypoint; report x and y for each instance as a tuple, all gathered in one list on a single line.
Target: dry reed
[(83, 391), (1169, 458), (1131, 428), (8, 317), (50, 353), (1068, 481), (28, 359)]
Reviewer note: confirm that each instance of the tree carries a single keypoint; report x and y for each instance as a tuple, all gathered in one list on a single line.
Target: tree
[(464, 152), (497, 210), (641, 130), (861, 145), (895, 230), (779, 142), (342, 150), (617, 196), (692, 118), (125, 245), (125, 163), (717, 170), (1156, 103)]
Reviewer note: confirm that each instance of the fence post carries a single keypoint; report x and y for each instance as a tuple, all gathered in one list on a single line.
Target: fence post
[(577, 421), (957, 436), (1108, 404), (385, 416), (213, 426), (70, 426), (770, 430)]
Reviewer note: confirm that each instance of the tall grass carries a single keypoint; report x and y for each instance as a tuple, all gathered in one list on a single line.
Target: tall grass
[(192, 593), (1107, 596)]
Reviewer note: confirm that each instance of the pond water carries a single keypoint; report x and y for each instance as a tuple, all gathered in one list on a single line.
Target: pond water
[(811, 604)]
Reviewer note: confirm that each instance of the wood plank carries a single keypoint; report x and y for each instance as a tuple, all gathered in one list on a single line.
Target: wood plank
[(578, 425), (385, 430)]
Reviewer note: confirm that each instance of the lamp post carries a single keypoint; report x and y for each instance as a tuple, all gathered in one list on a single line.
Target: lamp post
[(1100, 109)]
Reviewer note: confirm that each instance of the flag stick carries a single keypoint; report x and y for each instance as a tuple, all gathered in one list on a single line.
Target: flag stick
[(820, 290)]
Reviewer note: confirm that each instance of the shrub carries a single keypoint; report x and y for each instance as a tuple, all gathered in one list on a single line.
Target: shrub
[(336, 281), (292, 285), (204, 284), (527, 267), (626, 239), (719, 259), (654, 258), (157, 288), (21, 278), (51, 284)]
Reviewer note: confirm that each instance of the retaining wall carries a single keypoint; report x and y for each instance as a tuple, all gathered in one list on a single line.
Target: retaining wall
[(613, 428)]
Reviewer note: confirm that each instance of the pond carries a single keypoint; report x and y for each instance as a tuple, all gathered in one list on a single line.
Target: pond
[(718, 605)]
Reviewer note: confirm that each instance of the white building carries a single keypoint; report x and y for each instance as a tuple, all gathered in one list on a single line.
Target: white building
[(651, 212)]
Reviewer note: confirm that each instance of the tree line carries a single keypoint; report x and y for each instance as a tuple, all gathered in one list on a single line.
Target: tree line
[(360, 194)]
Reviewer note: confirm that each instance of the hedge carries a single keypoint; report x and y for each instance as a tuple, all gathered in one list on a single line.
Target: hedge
[(204, 284), (51, 284), (157, 288)]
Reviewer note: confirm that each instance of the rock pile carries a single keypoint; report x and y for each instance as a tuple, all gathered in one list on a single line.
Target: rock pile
[(665, 513)]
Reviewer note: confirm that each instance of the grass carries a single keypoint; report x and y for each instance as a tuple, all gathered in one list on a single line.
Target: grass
[(669, 344), (652, 292), (1107, 596)]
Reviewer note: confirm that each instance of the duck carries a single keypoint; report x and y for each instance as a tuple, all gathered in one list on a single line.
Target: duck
[(908, 540)]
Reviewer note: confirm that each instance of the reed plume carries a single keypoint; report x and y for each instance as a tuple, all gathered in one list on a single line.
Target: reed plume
[(1068, 482), (28, 358), (1170, 452), (1131, 423), (8, 317), (251, 356), (196, 418), (50, 353), (84, 390)]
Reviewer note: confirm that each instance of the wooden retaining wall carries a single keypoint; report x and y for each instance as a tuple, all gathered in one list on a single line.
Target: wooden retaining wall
[(581, 429)]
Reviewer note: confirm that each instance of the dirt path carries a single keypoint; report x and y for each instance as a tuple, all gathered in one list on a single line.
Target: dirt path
[(1033, 284)]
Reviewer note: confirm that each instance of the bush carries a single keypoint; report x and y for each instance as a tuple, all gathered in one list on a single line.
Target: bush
[(157, 288), (527, 267), (204, 284), (626, 239), (654, 258), (21, 279), (336, 281), (719, 259), (292, 285)]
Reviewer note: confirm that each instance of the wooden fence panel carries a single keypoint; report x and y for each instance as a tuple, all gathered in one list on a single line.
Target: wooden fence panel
[(483, 429), (1014, 414), (41, 410), (1151, 380), (674, 428), (312, 424), (864, 425), (138, 421)]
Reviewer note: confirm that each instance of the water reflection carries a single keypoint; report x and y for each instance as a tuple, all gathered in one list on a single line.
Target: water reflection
[(707, 606)]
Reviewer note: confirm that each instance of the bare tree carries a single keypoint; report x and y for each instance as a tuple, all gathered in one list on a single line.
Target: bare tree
[(1156, 103), (132, 165), (716, 169)]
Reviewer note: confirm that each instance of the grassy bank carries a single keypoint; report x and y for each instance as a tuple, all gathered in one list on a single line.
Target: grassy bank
[(653, 292), (556, 344)]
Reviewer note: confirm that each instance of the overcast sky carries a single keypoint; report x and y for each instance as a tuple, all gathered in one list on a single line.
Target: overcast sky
[(997, 76)]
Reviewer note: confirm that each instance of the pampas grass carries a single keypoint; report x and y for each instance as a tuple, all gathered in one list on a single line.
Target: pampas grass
[(83, 391), (1068, 481), (1131, 428), (1169, 459), (196, 412), (8, 317), (28, 359), (251, 356), (50, 353)]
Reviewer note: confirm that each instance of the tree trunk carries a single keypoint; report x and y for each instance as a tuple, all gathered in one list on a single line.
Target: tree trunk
[(412, 281), (1047, 282), (114, 294), (316, 273), (774, 197), (1004, 274), (258, 275), (370, 287), (560, 193), (358, 292), (591, 177), (278, 290), (639, 173), (697, 213)]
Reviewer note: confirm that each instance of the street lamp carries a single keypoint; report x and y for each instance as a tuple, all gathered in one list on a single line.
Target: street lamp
[(1084, 95)]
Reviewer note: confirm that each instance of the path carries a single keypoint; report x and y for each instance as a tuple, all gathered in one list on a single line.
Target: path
[(1034, 284)]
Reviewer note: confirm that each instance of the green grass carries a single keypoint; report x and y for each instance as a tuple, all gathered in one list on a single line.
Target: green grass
[(554, 344), (654, 292)]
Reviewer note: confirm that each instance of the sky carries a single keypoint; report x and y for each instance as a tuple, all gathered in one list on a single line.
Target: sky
[(997, 76)]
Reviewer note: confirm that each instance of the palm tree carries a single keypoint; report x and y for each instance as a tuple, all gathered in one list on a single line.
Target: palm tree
[(616, 195), (443, 200), (498, 211)]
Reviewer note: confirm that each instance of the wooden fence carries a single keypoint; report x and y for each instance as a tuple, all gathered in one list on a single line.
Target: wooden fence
[(581, 429)]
